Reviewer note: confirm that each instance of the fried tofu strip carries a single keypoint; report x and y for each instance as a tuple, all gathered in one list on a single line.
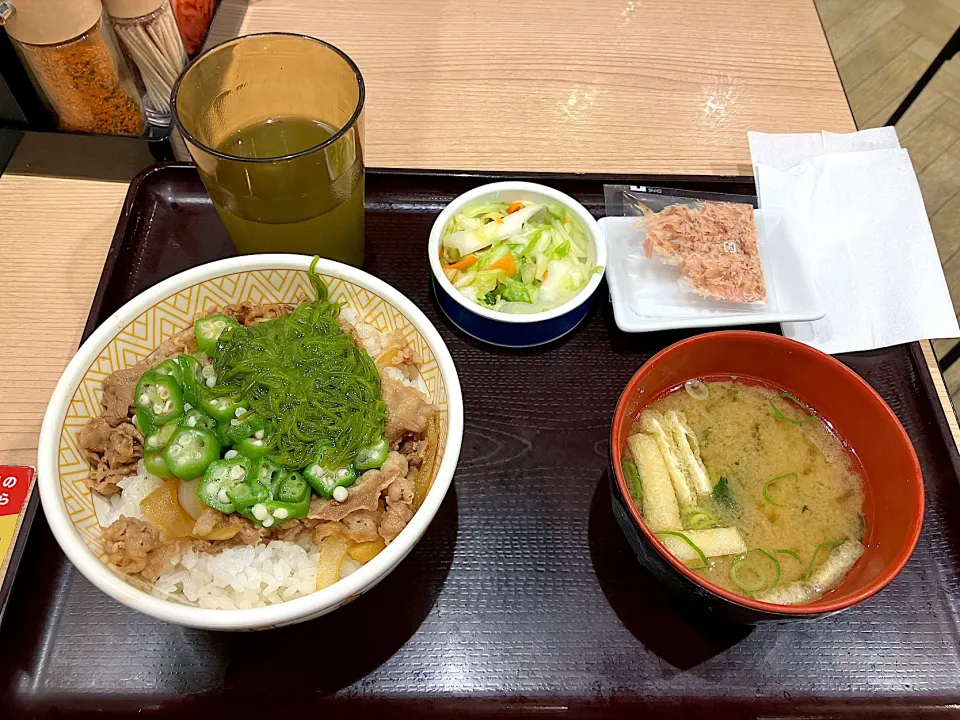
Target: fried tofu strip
[(652, 423), (829, 575), (660, 509), (714, 543), (793, 593), (688, 450)]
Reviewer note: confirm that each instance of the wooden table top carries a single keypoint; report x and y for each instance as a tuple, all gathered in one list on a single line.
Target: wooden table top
[(612, 86), (633, 86)]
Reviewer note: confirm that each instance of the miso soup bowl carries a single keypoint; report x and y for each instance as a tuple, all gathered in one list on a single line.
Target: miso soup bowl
[(893, 485), (509, 329)]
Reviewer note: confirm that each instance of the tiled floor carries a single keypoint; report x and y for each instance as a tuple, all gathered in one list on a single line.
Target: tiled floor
[(882, 47)]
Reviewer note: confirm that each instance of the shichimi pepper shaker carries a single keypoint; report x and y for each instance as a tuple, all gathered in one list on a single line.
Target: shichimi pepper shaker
[(76, 64)]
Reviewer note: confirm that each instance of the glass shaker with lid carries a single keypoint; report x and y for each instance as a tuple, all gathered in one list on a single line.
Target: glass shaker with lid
[(148, 33), (76, 64)]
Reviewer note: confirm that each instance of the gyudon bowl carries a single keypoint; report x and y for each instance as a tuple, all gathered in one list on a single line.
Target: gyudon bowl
[(244, 567)]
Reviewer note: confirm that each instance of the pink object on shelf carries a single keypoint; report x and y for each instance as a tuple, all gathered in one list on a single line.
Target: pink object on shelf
[(193, 19)]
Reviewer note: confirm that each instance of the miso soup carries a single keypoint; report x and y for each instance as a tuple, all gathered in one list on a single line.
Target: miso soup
[(748, 487)]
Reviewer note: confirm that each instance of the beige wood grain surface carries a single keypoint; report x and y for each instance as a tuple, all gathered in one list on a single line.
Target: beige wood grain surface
[(641, 86), (610, 86), (54, 238)]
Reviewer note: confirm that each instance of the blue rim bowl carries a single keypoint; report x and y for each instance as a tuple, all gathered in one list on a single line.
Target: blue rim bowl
[(508, 329)]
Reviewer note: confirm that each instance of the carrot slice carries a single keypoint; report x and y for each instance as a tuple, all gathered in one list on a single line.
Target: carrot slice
[(507, 264), (461, 264), (513, 207)]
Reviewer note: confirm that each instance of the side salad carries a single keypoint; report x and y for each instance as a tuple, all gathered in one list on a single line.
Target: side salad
[(518, 257)]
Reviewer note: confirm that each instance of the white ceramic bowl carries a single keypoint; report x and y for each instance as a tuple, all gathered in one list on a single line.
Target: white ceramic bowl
[(168, 307), (509, 329)]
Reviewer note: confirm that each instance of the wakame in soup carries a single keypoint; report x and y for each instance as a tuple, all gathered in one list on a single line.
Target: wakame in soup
[(748, 487)]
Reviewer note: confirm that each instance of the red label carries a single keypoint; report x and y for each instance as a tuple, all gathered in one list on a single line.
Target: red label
[(14, 484)]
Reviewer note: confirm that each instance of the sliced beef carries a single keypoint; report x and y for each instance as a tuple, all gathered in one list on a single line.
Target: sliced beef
[(112, 451), (183, 343), (399, 511), (408, 411), (162, 559), (95, 436), (118, 388), (291, 530), (364, 494), (362, 525), (325, 530), (249, 313), (249, 533), (394, 520), (127, 543), (415, 451)]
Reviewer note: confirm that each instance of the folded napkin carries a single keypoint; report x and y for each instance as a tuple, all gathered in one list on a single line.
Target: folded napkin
[(853, 201)]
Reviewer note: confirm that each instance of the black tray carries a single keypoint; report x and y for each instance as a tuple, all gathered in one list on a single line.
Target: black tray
[(522, 597)]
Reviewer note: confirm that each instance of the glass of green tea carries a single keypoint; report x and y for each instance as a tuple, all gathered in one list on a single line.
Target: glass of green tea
[(274, 125)]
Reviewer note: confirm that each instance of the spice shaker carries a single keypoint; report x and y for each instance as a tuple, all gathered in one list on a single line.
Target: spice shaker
[(194, 18), (76, 64), (147, 30)]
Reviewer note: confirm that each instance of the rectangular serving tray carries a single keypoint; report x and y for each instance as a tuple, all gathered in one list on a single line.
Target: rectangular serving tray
[(523, 597)]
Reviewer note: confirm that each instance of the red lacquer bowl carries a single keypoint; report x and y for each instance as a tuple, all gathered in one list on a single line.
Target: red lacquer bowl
[(893, 484)]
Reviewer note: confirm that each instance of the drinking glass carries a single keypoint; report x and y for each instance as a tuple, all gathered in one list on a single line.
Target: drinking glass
[(274, 124)]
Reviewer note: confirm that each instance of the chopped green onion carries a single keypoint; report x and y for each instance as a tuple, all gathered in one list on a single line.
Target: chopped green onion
[(688, 541), (829, 545), (694, 519), (776, 564), (768, 483), (746, 565), (632, 476), (796, 401), (792, 553), (736, 574)]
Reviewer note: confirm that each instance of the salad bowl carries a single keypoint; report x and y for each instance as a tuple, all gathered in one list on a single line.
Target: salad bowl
[(518, 329)]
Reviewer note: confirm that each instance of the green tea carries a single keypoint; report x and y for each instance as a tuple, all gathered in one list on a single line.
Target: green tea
[(310, 204)]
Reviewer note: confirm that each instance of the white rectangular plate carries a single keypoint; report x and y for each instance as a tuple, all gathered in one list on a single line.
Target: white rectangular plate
[(646, 296)]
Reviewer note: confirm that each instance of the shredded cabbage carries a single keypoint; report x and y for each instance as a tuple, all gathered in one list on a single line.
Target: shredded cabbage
[(550, 259)]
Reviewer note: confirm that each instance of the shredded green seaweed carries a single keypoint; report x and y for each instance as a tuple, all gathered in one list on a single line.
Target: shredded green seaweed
[(723, 494), (318, 392)]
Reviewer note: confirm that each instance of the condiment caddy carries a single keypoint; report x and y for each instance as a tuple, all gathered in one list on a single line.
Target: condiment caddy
[(76, 64)]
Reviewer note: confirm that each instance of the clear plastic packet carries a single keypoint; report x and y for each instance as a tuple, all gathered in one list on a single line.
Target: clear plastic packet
[(682, 249)]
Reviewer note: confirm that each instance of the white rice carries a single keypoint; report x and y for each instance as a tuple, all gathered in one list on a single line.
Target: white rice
[(397, 374), (242, 577), (133, 490)]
